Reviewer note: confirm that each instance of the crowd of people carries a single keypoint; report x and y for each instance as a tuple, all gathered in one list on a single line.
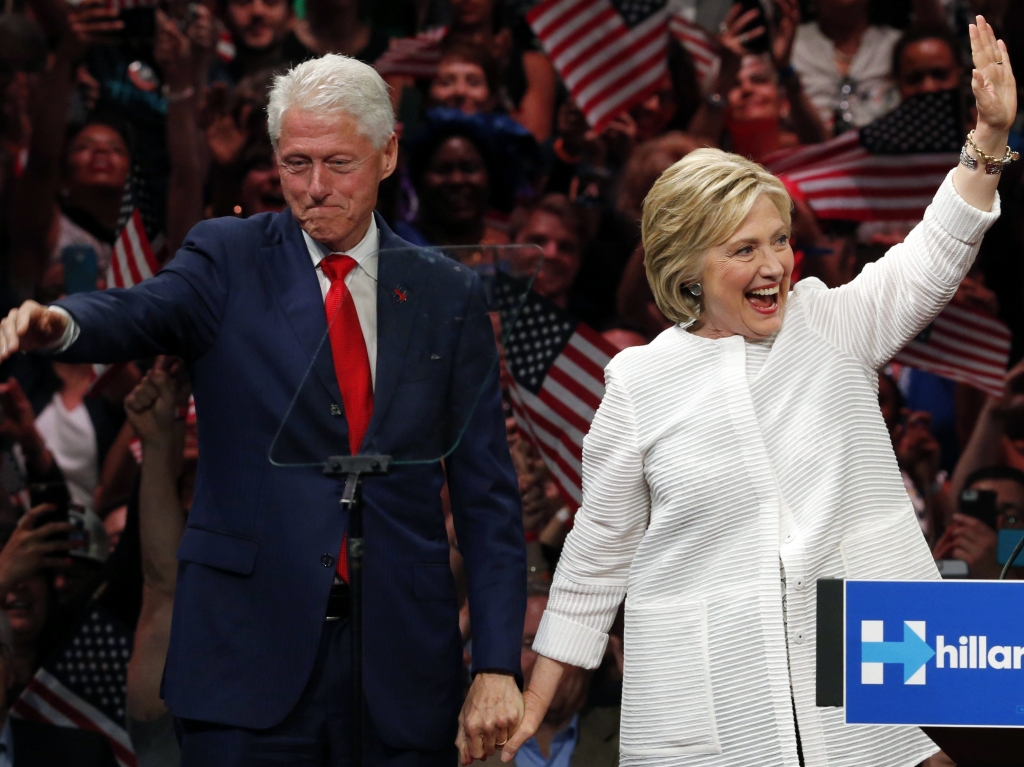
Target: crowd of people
[(169, 103)]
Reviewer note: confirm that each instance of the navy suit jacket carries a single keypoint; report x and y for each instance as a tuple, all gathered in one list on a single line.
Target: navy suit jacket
[(241, 303)]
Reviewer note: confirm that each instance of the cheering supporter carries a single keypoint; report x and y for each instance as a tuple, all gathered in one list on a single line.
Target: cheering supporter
[(528, 77), (462, 166), (30, 598), (262, 36), (552, 225), (973, 540), (758, 98), (845, 64), (991, 441), (89, 170), (917, 453), (152, 410), (926, 60), (340, 26), (453, 173), (35, 744), (466, 79)]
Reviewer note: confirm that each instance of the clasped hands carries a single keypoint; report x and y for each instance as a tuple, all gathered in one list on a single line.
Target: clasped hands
[(497, 716)]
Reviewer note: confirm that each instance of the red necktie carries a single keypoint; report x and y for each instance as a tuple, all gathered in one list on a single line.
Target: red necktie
[(351, 362)]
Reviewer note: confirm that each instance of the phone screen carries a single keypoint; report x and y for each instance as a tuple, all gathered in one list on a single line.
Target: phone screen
[(56, 494), (1008, 540), (79, 268), (980, 504)]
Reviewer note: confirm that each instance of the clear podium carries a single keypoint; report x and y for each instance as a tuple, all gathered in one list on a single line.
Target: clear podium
[(945, 656)]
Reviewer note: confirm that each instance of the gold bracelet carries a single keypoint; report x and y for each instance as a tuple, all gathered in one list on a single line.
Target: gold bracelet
[(993, 165)]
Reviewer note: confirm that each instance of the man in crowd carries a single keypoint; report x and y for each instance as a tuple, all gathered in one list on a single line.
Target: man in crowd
[(970, 539), (259, 662)]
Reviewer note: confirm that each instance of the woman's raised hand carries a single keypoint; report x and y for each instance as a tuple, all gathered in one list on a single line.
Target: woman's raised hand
[(992, 81)]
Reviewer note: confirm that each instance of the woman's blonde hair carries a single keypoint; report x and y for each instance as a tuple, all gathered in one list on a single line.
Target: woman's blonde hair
[(697, 204)]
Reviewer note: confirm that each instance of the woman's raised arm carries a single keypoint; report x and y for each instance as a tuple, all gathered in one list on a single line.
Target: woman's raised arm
[(893, 299)]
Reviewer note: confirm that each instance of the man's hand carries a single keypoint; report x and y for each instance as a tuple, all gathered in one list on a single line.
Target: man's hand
[(152, 406), (491, 713), (28, 549), (19, 421), (972, 541), (29, 327)]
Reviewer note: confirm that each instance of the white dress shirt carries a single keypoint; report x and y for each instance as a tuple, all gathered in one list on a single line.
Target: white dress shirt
[(361, 282), (870, 92)]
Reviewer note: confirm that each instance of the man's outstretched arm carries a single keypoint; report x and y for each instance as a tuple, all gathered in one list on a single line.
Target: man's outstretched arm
[(176, 312)]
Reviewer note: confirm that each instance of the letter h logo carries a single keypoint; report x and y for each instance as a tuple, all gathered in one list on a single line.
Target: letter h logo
[(913, 652)]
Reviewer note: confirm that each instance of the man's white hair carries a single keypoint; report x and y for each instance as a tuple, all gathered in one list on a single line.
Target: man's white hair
[(333, 84)]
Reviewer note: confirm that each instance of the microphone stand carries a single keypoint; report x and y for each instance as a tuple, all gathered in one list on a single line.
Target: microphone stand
[(353, 468)]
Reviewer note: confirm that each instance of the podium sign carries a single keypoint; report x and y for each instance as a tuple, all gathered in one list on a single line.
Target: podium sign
[(934, 653)]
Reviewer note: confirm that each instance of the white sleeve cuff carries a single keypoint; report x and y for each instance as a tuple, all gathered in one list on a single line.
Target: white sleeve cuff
[(564, 640), (70, 333), (960, 219)]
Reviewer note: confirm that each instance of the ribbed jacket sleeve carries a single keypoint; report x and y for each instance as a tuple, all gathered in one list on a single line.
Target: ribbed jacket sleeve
[(893, 299), (594, 567)]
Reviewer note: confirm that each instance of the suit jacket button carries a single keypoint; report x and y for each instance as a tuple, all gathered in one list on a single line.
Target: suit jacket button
[(335, 409), (327, 560)]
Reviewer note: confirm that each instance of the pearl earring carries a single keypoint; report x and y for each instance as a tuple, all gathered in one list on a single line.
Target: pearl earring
[(695, 289)]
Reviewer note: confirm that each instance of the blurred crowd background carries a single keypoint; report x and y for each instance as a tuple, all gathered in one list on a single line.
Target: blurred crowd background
[(124, 123)]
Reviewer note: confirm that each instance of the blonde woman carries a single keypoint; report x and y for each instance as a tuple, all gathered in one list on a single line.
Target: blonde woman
[(748, 438)]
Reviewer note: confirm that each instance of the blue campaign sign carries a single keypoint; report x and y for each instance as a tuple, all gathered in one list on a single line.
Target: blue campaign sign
[(935, 653)]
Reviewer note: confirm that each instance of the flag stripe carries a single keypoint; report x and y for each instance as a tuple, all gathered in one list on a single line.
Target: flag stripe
[(607, 65), (568, 407), (560, 467), (986, 384), (554, 441), (50, 691), (984, 323), (931, 350), (562, 373), (587, 386)]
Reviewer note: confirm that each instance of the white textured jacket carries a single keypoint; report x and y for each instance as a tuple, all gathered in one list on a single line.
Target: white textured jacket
[(696, 482)]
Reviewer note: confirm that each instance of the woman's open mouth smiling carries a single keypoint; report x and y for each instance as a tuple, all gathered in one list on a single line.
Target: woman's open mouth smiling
[(764, 300)]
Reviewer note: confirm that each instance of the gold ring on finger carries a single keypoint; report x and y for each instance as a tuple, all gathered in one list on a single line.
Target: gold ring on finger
[(502, 742)]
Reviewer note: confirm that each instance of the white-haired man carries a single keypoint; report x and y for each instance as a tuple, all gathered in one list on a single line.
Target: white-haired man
[(254, 673)]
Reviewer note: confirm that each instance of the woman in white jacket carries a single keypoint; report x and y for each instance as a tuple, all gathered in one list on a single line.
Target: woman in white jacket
[(745, 438)]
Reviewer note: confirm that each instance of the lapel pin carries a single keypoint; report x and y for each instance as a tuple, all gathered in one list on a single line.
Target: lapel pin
[(400, 294)]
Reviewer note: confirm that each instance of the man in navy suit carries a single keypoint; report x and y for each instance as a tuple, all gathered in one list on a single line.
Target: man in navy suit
[(258, 670)]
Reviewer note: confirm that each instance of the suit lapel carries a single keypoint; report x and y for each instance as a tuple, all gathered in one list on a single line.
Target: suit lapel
[(401, 281), (294, 283)]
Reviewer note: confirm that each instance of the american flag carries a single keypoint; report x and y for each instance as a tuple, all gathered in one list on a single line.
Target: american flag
[(610, 53), (889, 170), (557, 368), (699, 44), (965, 344), (83, 684), (137, 243), (416, 56)]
